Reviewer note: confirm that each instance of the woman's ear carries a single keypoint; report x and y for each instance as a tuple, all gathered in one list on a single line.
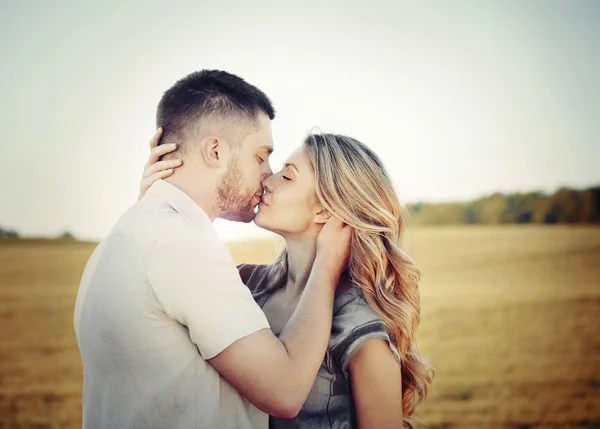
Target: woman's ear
[(322, 216)]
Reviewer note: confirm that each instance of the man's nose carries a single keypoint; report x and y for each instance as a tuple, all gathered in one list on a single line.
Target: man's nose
[(267, 172)]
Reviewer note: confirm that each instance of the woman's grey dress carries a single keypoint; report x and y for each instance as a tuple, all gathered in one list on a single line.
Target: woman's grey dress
[(329, 404)]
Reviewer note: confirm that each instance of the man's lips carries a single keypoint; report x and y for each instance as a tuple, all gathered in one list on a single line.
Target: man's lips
[(261, 201)]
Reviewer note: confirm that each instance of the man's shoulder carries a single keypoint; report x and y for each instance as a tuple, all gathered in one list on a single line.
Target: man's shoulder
[(151, 219), (188, 235), (179, 236)]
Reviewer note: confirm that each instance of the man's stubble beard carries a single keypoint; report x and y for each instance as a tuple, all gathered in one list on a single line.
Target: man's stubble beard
[(234, 199)]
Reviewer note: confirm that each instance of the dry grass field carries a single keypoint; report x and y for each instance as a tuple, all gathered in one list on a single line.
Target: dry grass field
[(510, 321)]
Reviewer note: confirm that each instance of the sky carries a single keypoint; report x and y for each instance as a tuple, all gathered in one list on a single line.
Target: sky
[(459, 98)]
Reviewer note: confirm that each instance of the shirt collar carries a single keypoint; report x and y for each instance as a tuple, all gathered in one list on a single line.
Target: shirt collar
[(181, 202)]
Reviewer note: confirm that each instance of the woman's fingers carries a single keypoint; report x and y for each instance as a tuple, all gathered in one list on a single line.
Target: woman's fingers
[(159, 151), (149, 181), (156, 138), (159, 166)]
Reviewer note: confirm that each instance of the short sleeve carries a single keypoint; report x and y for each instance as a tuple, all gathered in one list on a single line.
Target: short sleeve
[(353, 325), (196, 282)]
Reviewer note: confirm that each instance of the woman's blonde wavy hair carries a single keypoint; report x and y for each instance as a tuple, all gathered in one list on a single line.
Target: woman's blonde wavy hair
[(353, 185)]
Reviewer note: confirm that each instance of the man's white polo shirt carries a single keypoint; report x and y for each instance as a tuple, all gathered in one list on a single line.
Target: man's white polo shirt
[(159, 296)]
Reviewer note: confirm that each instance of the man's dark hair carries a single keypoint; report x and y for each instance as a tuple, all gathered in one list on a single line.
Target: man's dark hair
[(210, 95)]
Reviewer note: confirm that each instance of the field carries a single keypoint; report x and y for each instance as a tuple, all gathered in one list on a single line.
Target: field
[(510, 321)]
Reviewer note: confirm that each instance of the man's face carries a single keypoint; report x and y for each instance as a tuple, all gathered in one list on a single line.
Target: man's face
[(241, 188)]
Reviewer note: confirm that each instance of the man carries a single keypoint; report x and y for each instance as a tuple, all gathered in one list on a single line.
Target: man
[(169, 335)]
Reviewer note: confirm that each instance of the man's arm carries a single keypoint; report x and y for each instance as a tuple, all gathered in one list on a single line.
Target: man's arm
[(196, 282), (274, 374)]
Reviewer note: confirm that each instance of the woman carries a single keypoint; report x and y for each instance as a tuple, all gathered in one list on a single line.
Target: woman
[(372, 375)]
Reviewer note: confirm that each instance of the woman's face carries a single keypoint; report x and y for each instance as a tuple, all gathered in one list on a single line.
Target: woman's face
[(289, 205)]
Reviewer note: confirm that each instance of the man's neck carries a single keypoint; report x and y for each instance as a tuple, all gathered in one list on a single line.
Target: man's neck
[(204, 196)]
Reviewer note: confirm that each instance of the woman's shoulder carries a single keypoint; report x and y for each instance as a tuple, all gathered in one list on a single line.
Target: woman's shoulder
[(354, 322), (353, 306), (252, 274), (246, 270), (353, 317)]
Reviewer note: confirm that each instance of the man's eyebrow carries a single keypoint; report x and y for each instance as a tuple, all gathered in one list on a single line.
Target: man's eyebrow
[(268, 148), (289, 164)]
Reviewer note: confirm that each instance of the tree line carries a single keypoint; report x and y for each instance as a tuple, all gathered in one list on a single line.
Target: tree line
[(565, 206)]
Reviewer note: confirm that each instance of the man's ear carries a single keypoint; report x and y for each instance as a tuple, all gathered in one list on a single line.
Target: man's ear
[(210, 151), (321, 217)]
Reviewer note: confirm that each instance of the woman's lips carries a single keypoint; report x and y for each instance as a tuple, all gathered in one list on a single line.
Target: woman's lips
[(260, 199)]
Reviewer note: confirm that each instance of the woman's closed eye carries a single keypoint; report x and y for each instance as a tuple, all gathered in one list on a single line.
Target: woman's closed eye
[(286, 178)]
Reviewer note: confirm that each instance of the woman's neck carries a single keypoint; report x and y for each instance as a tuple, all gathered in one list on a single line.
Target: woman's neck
[(302, 251)]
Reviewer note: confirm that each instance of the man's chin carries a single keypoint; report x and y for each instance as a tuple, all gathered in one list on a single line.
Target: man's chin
[(244, 217)]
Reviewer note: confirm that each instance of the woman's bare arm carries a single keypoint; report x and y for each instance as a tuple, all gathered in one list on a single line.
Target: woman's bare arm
[(376, 386)]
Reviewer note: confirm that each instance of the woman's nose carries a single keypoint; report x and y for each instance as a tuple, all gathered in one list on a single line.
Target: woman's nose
[(266, 183)]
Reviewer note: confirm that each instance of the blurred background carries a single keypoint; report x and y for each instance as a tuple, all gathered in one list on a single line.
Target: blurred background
[(487, 115)]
